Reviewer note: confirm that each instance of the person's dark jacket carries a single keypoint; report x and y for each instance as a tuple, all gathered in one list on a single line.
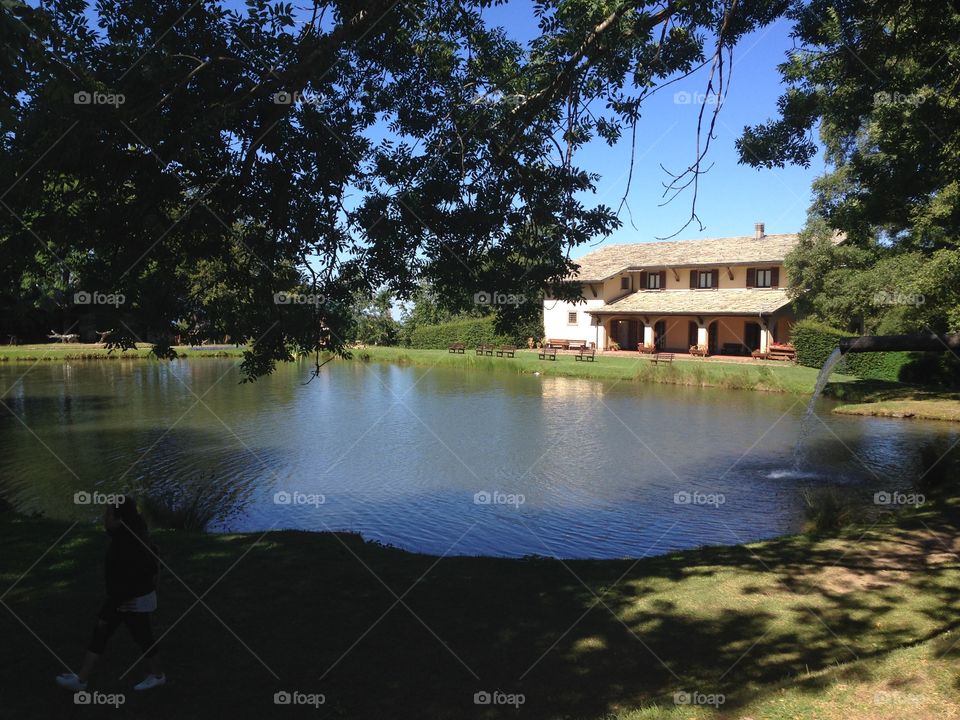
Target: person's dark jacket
[(130, 566)]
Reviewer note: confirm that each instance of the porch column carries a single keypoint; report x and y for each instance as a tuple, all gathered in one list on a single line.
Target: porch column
[(648, 334), (764, 336), (703, 337)]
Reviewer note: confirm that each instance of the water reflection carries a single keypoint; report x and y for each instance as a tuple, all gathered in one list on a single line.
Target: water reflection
[(400, 453)]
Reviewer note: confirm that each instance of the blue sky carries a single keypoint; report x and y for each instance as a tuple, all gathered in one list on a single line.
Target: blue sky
[(732, 197)]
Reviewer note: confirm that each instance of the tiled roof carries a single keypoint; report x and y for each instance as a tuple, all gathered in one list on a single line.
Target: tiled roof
[(726, 301), (608, 261)]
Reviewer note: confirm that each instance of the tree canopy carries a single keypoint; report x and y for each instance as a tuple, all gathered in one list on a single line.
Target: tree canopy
[(881, 83), (201, 162)]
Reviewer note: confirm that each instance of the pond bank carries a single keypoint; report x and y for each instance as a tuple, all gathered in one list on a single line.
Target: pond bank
[(856, 624), (859, 397)]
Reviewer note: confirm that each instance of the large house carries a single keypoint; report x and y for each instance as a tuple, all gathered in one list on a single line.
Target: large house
[(727, 294)]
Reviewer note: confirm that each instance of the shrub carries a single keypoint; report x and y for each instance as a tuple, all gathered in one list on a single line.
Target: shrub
[(815, 342), (471, 331), (188, 507), (826, 509)]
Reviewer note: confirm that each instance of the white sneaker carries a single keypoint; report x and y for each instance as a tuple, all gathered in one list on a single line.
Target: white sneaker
[(70, 681), (150, 682)]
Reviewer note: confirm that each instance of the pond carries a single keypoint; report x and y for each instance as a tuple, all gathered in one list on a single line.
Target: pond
[(440, 460)]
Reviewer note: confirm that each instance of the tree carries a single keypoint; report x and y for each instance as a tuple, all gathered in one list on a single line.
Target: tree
[(881, 80), (374, 323), (204, 162)]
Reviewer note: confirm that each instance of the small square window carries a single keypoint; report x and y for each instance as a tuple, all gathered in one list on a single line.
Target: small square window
[(571, 318), (705, 279), (653, 281), (625, 283), (764, 278)]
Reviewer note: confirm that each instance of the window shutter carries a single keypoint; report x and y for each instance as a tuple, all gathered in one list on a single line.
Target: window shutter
[(663, 279), (643, 280), (716, 278), (751, 277), (693, 279), (775, 277)]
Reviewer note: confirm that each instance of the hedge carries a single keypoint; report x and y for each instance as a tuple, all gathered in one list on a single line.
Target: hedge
[(815, 341), (472, 331)]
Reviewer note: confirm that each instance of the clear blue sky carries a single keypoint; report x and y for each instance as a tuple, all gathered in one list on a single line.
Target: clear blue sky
[(732, 197)]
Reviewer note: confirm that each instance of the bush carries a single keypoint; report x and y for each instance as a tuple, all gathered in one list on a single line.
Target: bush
[(826, 509), (194, 506), (471, 331), (815, 342)]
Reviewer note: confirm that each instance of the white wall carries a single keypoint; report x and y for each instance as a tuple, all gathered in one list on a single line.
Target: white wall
[(556, 326)]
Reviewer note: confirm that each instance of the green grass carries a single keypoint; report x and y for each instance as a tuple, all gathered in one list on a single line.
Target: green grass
[(94, 351), (890, 399), (856, 625), (748, 376)]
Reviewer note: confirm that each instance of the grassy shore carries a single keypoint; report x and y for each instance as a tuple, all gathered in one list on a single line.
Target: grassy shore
[(859, 625), (94, 351), (859, 397), (747, 376)]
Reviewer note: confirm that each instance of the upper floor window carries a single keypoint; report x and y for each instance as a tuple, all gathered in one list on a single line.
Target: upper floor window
[(705, 279), (653, 281), (571, 318), (625, 282), (763, 277)]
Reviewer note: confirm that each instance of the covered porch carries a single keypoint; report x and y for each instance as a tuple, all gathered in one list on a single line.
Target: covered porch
[(733, 336)]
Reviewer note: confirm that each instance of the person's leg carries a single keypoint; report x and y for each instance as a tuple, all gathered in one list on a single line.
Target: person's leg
[(107, 622), (139, 626)]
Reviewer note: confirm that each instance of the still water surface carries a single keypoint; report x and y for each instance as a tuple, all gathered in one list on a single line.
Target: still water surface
[(408, 456)]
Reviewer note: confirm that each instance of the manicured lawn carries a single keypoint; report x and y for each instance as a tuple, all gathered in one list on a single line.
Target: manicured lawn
[(859, 625), (94, 351), (898, 400), (776, 378)]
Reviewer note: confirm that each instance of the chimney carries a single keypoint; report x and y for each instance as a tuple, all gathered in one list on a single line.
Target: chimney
[(758, 231)]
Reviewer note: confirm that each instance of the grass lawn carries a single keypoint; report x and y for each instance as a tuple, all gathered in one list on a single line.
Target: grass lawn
[(770, 377), (898, 400), (95, 351), (859, 625)]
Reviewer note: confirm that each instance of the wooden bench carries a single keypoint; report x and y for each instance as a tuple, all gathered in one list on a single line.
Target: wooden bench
[(457, 348), (661, 357), (547, 353), (586, 354), (506, 351), (554, 344), (483, 349)]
